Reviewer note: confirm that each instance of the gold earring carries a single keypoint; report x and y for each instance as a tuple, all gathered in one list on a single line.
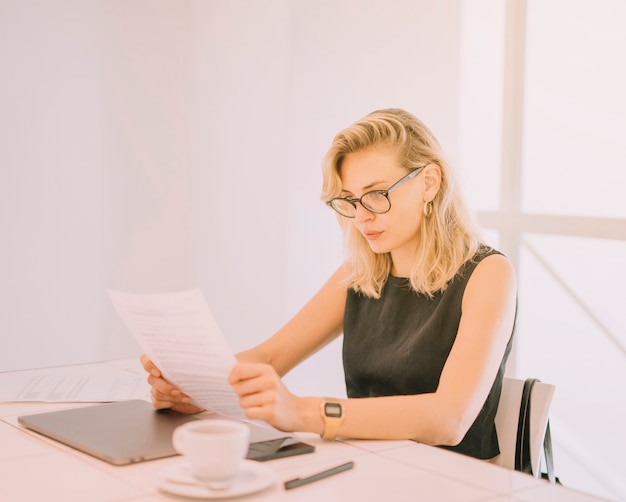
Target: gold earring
[(428, 208)]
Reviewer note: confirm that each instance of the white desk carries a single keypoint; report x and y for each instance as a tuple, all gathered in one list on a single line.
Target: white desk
[(34, 468)]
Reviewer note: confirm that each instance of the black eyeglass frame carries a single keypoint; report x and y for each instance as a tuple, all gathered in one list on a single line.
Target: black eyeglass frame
[(385, 193)]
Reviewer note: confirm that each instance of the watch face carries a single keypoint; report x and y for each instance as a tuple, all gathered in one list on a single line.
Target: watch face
[(332, 410)]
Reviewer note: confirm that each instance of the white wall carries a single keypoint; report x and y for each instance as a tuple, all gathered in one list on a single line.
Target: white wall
[(96, 173), (152, 146), (240, 135)]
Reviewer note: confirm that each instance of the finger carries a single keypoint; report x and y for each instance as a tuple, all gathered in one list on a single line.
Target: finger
[(246, 371), (149, 366), (168, 399), (258, 399), (255, 413), (160, 401), (162, 405), (258, 385), (164, 391), (265, 413), (163, 386), (247, 378)]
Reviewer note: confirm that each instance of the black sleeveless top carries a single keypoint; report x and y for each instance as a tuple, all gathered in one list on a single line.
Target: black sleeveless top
[(398, 345)]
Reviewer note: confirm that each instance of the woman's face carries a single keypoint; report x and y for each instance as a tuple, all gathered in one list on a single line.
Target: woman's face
[(397, 230)]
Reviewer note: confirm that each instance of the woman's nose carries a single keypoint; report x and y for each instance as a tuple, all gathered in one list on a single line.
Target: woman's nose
[(362, 214)]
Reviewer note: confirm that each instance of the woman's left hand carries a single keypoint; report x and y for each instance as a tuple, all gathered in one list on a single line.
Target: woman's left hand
[(263, 396)]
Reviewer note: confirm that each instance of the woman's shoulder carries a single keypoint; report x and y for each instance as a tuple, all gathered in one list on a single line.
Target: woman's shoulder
[(489, 259), (487, 254), (490, 266), (484, 251)]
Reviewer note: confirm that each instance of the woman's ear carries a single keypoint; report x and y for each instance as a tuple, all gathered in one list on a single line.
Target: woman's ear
[(432, 181)]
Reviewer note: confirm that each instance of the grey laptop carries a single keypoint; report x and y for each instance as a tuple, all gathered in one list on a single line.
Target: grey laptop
[(132, 431)]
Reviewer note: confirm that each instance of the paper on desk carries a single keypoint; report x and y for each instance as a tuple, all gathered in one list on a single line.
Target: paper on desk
[(56, 388), (179, 333)]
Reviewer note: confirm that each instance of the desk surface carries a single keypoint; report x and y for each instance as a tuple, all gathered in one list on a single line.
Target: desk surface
[(34, 468)]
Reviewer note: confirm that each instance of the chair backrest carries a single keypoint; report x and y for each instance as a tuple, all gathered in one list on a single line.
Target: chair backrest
[(507, 418)]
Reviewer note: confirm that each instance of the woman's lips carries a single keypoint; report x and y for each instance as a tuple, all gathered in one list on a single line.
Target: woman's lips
[(372, 235)]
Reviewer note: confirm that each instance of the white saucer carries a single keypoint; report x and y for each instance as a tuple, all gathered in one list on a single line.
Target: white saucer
[(253, 476)]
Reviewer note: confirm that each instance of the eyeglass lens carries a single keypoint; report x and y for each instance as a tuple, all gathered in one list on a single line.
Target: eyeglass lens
[(375, 201)]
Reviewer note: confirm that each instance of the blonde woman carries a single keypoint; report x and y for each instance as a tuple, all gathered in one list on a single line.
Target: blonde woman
[(427, 310)]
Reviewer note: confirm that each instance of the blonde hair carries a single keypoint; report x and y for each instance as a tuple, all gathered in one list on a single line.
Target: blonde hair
[(448, 238)]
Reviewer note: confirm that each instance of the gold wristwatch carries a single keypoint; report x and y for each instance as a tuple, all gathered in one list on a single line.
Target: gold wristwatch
[(332, 413)]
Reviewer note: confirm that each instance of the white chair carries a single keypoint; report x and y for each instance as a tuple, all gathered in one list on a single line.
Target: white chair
[(507, 420)]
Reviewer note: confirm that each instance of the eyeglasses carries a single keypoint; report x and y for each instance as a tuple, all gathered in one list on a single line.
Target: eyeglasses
[(376, 201)]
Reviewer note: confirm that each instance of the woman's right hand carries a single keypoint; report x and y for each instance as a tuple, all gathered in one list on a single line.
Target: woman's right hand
[(165, 395)]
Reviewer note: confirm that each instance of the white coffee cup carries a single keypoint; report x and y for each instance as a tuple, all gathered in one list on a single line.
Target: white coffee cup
[(215, 449)]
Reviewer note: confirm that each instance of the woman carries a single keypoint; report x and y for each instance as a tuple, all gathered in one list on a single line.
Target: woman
[(427, 311)]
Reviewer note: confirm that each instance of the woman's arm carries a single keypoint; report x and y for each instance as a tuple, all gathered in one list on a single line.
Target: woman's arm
[(318, 323), (442, 417)]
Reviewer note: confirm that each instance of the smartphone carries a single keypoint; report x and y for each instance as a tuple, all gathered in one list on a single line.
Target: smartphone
[(278, 448)]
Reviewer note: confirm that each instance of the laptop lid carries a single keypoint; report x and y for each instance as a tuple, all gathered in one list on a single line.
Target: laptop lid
[(133, 431)]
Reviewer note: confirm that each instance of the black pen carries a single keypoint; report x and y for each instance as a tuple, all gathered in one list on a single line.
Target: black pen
[(294, 483)]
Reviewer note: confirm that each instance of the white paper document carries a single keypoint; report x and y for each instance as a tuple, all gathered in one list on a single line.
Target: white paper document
[(179, 333), (55, 388)]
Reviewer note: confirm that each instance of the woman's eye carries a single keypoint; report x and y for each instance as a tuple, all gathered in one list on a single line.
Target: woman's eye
[(376, 195)]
